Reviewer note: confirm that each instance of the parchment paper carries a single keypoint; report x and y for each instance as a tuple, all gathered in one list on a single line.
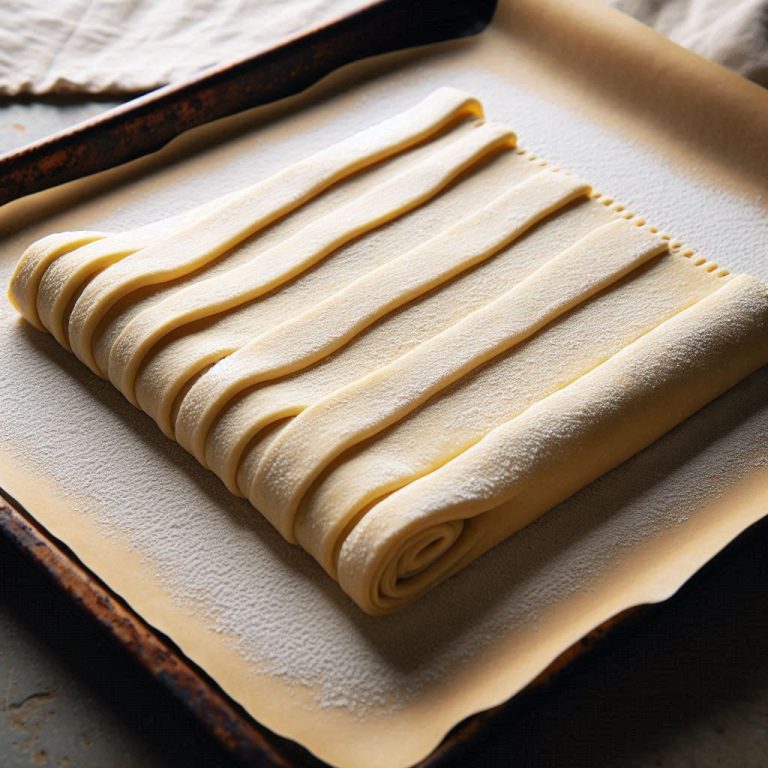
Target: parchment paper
[(582, 87)]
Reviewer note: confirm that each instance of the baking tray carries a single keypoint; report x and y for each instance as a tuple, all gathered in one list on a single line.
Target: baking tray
[(246, 740), (249, 742), (149, 122)]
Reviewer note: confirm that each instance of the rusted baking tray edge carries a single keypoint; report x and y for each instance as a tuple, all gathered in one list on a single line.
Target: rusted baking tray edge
[(247, 741), (147, 123)]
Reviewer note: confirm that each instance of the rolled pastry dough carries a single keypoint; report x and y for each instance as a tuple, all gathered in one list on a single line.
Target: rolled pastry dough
[(405, 347)]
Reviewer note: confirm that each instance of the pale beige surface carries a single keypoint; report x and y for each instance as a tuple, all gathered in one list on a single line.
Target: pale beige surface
[(491, 671)]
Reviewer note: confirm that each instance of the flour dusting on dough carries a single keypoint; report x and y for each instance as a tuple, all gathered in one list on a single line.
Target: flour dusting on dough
[(214, 549)]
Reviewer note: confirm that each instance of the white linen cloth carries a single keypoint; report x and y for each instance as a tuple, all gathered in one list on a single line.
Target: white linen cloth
[(129, 46), (733, 33)]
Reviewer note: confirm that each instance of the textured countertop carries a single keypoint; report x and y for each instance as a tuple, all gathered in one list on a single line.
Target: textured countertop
[(686, 685)]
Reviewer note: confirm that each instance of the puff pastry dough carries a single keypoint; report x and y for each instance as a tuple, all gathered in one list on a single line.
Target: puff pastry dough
[(405, 347)]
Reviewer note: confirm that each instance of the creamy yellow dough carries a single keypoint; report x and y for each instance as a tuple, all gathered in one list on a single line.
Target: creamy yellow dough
[(403, 348)]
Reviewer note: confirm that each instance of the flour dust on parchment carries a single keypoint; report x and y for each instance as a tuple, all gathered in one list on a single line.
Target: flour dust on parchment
[(228, 567)]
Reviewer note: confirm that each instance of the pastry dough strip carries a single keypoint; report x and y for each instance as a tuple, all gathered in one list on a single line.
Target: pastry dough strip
[(357, 411), (288, 259), (35, 262), (300, 342), (258, 206), (67, 275), (501, 390), (428, 530)]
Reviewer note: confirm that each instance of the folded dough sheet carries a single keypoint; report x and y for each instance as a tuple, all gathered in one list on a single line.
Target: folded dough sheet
[(407, 346), (581, 86)]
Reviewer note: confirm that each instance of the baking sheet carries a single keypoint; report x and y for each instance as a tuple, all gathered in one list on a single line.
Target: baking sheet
[(581, 87)]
